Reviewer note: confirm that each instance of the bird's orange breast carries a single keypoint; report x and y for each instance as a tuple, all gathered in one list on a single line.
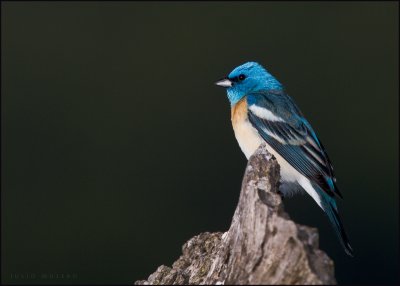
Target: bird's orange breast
[(246, 135), (239, 111)]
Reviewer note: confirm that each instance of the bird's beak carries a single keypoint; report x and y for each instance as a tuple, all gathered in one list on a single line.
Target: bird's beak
[(225, 82)]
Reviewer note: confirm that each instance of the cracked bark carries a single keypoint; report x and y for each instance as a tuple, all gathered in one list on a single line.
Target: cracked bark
[(262, 246)]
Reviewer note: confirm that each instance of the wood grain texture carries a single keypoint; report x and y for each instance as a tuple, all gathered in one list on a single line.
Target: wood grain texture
[(262, 246)]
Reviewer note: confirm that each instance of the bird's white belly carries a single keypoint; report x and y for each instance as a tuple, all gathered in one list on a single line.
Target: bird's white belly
[(247, 137), (249, 140)]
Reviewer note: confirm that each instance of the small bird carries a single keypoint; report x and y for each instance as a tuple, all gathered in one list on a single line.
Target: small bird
[(261, 111)]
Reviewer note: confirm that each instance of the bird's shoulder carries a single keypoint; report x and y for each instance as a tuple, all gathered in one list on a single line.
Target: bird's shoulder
[(276, 103)]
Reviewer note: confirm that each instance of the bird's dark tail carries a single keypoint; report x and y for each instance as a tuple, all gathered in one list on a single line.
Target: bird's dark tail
[(329, 206)]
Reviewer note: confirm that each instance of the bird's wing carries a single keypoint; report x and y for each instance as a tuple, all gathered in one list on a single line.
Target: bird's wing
[(282, 125)]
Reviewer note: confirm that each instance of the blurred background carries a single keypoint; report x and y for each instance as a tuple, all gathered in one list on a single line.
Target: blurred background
[(117, 147)]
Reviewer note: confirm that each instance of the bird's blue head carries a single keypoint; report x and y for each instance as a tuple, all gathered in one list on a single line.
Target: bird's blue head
[(247, 78)]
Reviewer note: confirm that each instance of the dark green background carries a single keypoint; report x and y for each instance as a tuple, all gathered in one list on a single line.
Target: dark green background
[(117, 147)]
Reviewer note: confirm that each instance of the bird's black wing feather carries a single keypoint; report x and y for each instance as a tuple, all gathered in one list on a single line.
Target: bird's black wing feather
[(292, 137)]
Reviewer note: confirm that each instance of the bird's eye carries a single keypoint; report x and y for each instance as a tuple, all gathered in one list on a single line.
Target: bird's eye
[(242, 77)]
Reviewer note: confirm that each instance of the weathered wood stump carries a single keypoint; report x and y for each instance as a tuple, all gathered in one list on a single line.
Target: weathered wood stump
[(262, 245)]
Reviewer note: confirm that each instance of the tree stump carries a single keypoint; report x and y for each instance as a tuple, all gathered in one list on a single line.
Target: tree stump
[(262, 246)]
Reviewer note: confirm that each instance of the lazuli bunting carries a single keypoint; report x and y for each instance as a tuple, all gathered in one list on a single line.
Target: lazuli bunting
[(261, 111)]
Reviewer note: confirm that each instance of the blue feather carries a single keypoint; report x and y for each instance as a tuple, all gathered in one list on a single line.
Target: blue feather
[(293, 138), (329, 206)]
